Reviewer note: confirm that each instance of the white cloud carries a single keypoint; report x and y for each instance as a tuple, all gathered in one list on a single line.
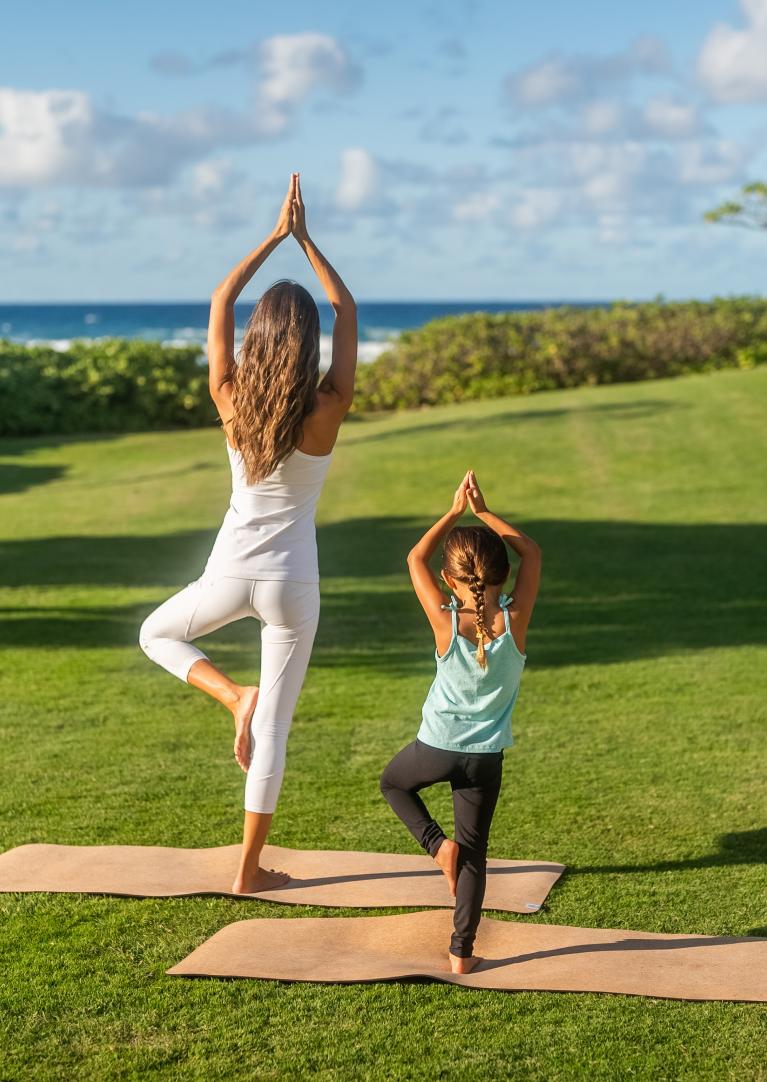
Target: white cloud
[(613, 140), (535, 207), (359, 186), (292, 67), (59, 137), (710, 163), (214, 194), (42, 134), (476, 207), (567, 80), (602, 117), (546, 83), (62, 137), (671, 119), (732, 63)]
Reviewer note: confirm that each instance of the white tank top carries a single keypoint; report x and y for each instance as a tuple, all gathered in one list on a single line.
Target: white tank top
[(268, 531)]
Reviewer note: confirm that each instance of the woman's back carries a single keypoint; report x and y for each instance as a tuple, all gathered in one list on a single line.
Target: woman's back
[(268, 531)]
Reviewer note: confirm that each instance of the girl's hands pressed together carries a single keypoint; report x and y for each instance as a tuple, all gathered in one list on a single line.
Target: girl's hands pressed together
[(474, 494), (460, 499), (284, 224)]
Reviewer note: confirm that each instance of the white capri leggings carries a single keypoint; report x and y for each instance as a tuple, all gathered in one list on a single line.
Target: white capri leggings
[(288, 613)]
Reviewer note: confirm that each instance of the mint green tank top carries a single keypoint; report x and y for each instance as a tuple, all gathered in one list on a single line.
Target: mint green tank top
[(468, 708)]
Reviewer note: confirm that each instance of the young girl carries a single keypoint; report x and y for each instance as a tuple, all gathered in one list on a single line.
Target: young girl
[(281, 422), (466, 720)]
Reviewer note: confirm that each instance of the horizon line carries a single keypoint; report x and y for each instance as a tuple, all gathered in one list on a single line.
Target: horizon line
[(375, 300)]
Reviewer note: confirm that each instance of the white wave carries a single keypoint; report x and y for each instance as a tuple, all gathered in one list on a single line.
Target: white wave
[(366, 350), (61, 345), (193, 334), (186, 336)]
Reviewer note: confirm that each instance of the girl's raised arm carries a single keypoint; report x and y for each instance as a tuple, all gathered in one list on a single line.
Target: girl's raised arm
[(425, 582), (527, 581), (221, 363), (338, 382)]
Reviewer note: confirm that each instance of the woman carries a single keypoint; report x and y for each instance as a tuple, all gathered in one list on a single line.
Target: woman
[(281, 425)]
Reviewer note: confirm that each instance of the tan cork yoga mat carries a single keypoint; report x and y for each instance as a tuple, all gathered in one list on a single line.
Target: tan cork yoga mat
[(517, 956), (318, 877)]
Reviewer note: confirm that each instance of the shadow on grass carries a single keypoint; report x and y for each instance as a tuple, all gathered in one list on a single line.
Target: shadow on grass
[(617, 410), (742, 847), (612, 591), (16, 478)]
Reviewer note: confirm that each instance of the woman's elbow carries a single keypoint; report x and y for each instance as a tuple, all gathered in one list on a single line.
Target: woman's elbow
[(347, 306), (220, 295)]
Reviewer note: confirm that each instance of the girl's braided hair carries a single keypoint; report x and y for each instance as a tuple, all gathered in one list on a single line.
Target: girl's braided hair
[(477, 556)]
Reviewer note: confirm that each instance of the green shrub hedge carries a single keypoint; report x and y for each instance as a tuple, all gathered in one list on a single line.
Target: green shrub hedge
[(123, 385), (484, 356), (115, 385)]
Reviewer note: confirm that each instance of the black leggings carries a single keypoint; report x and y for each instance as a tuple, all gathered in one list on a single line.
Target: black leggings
[(476, 781)]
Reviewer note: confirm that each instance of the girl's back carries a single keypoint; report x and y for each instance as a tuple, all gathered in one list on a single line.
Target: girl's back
[(468, 707)]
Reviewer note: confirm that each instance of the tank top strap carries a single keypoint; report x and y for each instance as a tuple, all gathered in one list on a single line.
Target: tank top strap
[(453, 606), (504, 601)]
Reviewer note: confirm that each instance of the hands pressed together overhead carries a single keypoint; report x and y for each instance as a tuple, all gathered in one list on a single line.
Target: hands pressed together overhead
[(292, 216), (468, 494)]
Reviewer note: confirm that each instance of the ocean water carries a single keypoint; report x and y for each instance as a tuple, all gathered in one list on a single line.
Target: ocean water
[(185, 323)]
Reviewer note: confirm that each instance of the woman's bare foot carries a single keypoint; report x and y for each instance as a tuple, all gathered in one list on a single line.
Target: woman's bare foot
[(243, 715), (447, 859), (463, 965), (264, 879)]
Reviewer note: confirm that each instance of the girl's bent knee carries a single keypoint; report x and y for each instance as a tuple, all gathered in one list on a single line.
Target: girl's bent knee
[(385, 785)]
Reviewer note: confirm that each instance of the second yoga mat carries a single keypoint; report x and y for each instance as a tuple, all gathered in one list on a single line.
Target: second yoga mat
[(517, 956)]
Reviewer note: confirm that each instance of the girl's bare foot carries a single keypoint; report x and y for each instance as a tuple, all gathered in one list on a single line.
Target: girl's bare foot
[(447, 859), (463, 965), (264, 879), (243, 715)]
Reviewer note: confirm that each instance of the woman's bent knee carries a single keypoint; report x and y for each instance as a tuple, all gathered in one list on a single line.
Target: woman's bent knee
[(146, 636)]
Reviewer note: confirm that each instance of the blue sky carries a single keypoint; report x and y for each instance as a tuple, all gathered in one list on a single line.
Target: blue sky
[(466, 149)]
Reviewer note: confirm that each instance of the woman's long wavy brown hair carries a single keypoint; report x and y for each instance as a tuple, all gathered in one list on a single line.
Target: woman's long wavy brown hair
[(476, 556), (275, 385)]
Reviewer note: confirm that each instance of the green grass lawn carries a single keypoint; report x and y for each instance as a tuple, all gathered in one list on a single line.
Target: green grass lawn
[(640, 733)]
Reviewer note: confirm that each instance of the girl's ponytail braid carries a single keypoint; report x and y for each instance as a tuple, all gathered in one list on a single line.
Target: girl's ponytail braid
[(477, 588)]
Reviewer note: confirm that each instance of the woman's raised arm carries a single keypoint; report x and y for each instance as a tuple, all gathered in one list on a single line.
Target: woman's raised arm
[(338, 381), (221, 364)]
